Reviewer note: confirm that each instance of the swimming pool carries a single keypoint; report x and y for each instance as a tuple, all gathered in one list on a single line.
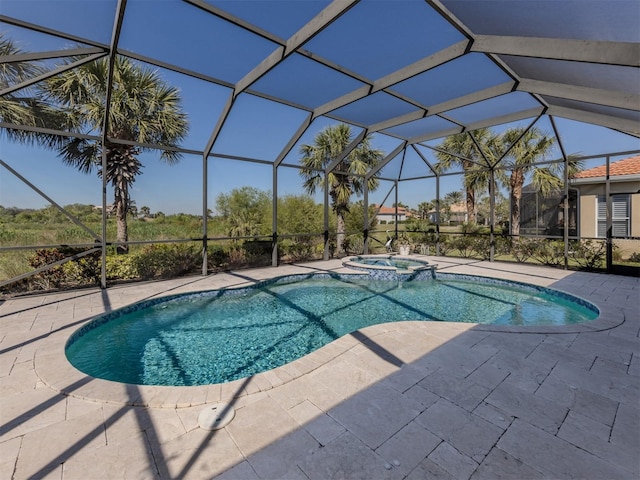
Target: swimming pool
[(219, 336)]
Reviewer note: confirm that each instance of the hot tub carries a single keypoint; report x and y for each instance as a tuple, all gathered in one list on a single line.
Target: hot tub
[(391, 267)]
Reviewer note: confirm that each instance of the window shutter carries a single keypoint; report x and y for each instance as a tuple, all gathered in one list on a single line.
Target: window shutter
[(619, 228), (602, 208), (619, 216), (602, 228), (620, 207)]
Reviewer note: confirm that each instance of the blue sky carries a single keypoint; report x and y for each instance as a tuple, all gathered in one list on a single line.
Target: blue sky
[(256, 127)]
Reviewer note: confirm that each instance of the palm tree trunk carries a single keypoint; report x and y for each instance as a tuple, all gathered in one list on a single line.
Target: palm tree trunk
[(471, 205), (340, 234), (121, 201), (517, 180)]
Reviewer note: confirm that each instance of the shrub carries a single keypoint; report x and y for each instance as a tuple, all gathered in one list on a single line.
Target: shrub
[(588, 253), (464, 245), (445, 245), (166, 260), (481, 246), (521, 248), (217, 257), (354, 244), (634, 257), (549, 252), (121, 267), (502, 245), (83, 270), (616, 254), (292, 251), (237, 256)]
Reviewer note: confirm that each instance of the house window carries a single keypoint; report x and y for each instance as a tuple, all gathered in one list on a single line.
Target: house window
[(619, 215)]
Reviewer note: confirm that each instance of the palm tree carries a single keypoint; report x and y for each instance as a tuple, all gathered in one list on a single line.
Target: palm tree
[(23, 107), (424, 208), (533, 147), (145, 211), (143, 108), (453, 197), (460, 150), (348, 176)]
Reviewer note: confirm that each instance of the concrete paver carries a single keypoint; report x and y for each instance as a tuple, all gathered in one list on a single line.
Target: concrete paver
[(405, 400)]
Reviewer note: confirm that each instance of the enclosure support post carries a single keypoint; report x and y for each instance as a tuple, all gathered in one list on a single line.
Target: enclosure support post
[(565, 202), (103, 243), (565, 214), (437, 214), (274, 218), (205, 216), (115, 36), (325, 255), (492, 217), (396, 208), (607, 195), (365, 219)]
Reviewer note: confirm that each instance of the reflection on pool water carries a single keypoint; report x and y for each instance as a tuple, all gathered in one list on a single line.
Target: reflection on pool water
[(219, 336)]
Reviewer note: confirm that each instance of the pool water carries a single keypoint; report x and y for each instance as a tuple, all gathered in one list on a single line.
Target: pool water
[(216, 337)]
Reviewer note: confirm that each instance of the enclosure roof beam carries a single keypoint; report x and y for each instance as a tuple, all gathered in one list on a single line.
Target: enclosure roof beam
[(474, 97), (52, 73), (393, 122), (591, 51), (502, 119), (35, 56), (219, 124), (218, 12), (271, 37), (449, 105), (422, 65), (343, 100), (48, 131), (50, 31), (174, 68), (582, 94), (441, 150), (424, 159), (386, 160), (615, 123), (524, 132), (322, 20), (354, 143), (312, 28), (294, 139), (427, 63), (439, 134)]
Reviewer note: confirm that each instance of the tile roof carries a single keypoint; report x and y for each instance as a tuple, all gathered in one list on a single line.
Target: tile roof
[(392, 210), (626, 166)]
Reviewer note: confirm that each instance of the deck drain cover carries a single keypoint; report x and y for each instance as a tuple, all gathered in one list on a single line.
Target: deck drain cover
[(216, 416)]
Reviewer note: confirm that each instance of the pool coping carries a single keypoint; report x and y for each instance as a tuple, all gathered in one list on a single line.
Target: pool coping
[(55, 371)]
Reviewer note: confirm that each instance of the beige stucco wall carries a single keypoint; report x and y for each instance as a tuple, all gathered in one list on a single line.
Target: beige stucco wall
[(588, 204), (588, 218)]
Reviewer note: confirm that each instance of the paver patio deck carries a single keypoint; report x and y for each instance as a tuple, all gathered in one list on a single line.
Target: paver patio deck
[(400, 400)]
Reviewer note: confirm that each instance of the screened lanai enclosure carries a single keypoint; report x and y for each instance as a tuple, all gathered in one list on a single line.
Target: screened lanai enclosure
[(146, 140)]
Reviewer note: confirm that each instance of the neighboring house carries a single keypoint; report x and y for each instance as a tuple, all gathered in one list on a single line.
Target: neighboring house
[(624, 184), (457, 213), (110, 208), (388, 214)]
